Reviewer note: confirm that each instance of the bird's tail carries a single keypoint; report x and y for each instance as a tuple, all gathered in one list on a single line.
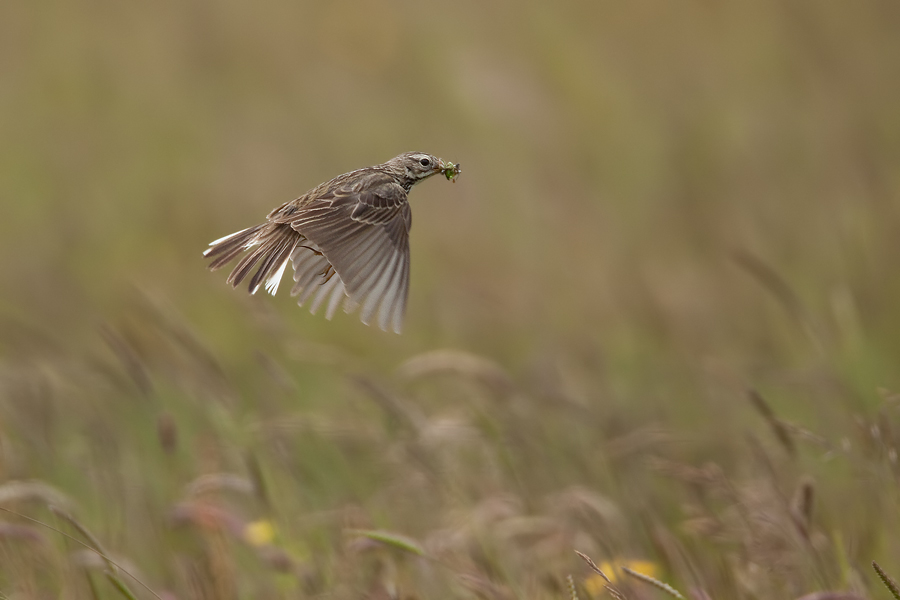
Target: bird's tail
[(274, 242), (223, 250)]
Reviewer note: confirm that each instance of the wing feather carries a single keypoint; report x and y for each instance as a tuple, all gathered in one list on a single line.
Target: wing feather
[(376, 286), (390, 297), (324, 289), (365, 238), (308, 268), (335, 299)]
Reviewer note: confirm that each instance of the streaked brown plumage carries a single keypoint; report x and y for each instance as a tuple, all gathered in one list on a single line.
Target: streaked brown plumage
[(346, 239)]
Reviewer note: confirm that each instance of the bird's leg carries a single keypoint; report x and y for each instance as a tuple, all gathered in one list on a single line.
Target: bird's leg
[(313, 250), (328, 273)]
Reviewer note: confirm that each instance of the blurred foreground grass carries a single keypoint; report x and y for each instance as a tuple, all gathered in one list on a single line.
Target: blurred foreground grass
[(668, 273)]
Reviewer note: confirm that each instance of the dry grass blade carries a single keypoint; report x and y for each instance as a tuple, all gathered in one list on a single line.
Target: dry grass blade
[(778, 428), (130, 359), (638, 441), (171, 322), (779, 288), (397, 410), (573, 595), (654, 582), (460, 363), (219, 482), (258, 479), (821, 442), (831, 596), (887, 580), (113, 564), (167, 432), (709, 475), (94, 542), (112, 574), (802, 506), (120, 585), (578, 500), (390, 539), (485, 589), (21, 491), (609, 586), (593, 565), (12, 531), (771, 280)]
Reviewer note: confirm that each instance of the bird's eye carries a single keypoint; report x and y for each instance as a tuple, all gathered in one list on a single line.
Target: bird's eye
[(425, 162)]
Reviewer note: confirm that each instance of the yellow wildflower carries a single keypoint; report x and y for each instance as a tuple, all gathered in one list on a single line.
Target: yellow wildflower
[(596, 585), (259, 533)]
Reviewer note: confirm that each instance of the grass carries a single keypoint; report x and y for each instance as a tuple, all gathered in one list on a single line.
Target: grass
[(654, 320), (448, 477)]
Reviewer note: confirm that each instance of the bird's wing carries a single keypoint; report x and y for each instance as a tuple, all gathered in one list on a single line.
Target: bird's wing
[(363, 231)]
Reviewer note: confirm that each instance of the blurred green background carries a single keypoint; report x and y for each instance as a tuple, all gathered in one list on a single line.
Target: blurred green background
[(662, 206)]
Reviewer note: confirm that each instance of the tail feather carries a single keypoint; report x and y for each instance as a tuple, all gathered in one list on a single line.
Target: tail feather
[(275, 247), (225, 249), (277, 258), (269, 247)]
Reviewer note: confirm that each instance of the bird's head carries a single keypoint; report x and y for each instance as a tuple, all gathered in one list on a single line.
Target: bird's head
[(412, 167)]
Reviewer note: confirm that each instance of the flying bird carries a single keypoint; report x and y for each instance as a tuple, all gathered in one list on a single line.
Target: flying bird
[(346, 239)]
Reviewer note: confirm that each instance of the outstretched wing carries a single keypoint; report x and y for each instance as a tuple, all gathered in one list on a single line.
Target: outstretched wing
[(363, 231)]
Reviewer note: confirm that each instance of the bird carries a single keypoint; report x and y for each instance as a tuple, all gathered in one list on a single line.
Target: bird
[(346, 239)]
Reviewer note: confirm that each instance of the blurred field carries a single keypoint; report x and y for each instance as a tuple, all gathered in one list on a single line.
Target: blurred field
[(656, 319)]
